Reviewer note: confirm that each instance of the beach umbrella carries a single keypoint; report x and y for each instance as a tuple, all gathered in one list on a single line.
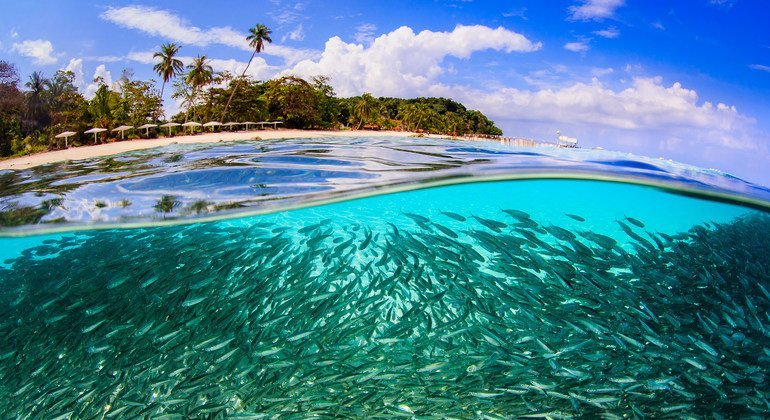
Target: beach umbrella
[(147, 128), (212, 124), (65, 135), (191, 124), (95, 131), (169, 125), (230, 125), (275, 124), (248, 123), (122, 129)]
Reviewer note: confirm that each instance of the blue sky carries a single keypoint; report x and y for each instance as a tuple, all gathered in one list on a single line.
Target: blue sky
[(685, 80)]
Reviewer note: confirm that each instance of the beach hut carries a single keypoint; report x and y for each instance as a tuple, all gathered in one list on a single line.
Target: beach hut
[(122, 129), (192, 125), (169, 125), (95, 131), (212, 124), (65, 135), (147, 128)]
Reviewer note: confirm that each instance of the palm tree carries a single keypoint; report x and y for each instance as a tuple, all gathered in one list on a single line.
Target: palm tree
[(200, 74), (36, 98), (169, 66), (258, 35), (365, 109)]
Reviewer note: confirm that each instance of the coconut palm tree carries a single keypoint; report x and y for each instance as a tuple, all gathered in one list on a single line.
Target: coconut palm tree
[(36, 106), (365, 110), (169, 66), (258, 35), (199, 75)]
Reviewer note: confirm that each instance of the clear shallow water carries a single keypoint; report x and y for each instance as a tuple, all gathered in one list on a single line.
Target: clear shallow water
[(543, 297)]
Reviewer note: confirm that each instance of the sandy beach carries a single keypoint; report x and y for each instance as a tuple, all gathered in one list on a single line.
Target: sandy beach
[(85, 152)]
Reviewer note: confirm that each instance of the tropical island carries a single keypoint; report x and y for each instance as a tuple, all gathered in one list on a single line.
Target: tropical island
[(31, 118)]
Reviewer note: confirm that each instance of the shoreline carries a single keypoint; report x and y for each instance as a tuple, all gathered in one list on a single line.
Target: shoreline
[(107, 149)]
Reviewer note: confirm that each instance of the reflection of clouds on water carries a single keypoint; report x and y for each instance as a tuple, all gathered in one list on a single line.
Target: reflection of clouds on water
[(269, 175)]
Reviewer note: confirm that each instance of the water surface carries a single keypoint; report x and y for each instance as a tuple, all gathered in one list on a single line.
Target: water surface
[(487, 282)]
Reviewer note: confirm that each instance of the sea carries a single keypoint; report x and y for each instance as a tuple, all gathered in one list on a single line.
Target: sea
[(382, 278)]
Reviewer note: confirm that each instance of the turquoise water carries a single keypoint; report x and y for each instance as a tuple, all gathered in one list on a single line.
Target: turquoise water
[(515, 296)]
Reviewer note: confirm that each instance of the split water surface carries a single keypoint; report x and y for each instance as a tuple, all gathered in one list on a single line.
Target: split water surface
[(382, 278)]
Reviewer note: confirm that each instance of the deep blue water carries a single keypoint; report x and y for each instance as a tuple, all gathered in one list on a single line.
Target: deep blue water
[(382, 277)]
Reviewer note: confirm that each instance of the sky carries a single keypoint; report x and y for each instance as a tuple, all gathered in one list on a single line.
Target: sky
[(687, 80)]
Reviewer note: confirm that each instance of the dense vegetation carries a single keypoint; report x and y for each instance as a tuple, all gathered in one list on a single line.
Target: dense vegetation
[(30, 118)]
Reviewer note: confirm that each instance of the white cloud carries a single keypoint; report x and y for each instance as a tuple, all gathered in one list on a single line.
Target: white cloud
[(401, 62), (760, 67), (365, 33), (610, 33), (144, 57), (76, 67), (594, 9), (577, 46), (13, 33), (646, 105), (39, 50), (167, 25), (297, 34)]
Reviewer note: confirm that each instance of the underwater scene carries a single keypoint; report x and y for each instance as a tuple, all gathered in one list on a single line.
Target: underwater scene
[(382, 278)]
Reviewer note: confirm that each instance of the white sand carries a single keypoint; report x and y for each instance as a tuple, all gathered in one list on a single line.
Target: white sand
[(85, 152)]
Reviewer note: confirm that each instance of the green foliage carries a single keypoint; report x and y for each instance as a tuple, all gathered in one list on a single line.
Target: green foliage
[(12, 106), (169, 66), (167, 204), (142, 103), (292, 100), (258, 35)]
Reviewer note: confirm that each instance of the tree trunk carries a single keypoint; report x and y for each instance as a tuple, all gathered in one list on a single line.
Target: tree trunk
[(236, 86), (162, 86), (190, 104)]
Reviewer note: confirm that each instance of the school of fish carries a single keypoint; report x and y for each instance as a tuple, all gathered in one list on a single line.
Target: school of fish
[(455, 316)]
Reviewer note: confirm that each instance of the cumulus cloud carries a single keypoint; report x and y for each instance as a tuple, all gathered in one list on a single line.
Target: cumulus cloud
[(594, 9), (167, 25), (646, 105), (403, 62), (76, 67), (577, 46), (39, 50), (610, 33)]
